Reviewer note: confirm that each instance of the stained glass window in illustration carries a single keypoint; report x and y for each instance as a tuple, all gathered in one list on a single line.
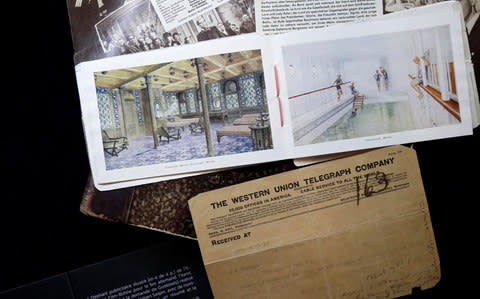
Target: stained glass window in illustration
[(139, 107), (182, 101), (231, 95), (248, 90), (104, 108), (214, 93), (232, 101), (115, 109), (172, 105), (158, 109), (191, 101)]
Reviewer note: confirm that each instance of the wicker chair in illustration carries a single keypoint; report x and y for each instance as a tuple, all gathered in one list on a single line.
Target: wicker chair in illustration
[(197, 127), (113, 145), (168, 133)]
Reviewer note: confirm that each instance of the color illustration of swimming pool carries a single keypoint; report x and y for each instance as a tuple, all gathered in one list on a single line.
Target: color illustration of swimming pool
[(372, 119)]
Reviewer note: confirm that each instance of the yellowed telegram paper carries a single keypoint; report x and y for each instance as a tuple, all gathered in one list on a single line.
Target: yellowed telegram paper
[(353, 227)]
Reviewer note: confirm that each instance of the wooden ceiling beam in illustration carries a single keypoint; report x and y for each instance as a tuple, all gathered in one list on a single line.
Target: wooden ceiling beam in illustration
[(112, 75), (221, 62), (179, 86), (217, 60), (142, 74), (184, 75), (237, 67)]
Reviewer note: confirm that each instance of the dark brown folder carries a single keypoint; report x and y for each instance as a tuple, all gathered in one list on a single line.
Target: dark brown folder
[(163, 205)]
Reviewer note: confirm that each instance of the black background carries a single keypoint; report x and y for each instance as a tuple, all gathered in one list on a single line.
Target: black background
[(45, 168)]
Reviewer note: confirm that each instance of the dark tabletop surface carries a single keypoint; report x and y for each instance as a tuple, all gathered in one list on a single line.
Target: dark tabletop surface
[(42, 232)]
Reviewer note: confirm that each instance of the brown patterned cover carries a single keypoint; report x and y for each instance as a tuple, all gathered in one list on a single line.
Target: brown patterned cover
[(164, 205)]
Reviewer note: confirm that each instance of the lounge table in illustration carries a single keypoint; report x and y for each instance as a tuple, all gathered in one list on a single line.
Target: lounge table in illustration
[(261, 137), (240, 130), (247, 119), (181, 122)]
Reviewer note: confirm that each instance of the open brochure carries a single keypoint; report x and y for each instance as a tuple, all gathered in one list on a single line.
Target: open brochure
[(173, 111)]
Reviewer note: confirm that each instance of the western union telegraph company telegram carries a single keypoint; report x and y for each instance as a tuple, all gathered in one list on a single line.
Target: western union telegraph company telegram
[(357, 226)]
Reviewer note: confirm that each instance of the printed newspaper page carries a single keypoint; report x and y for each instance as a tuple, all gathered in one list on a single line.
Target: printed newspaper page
[(104, 29), (278, 16), (357, 227)]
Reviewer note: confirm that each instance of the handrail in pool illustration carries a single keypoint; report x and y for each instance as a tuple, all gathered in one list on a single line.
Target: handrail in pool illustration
[(316, 90), (306, 118)]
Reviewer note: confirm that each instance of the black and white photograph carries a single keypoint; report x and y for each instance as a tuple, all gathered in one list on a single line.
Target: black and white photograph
[(83, 15), (134, 26)]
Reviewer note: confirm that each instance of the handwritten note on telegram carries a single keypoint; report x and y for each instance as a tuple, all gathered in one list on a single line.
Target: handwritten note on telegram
[(353, 227)]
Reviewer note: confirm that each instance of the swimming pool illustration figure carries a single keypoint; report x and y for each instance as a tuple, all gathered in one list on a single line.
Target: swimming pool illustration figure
[(404, 98)]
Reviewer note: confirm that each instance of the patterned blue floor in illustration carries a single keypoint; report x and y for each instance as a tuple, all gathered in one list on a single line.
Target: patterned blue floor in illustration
[(140, 151)]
